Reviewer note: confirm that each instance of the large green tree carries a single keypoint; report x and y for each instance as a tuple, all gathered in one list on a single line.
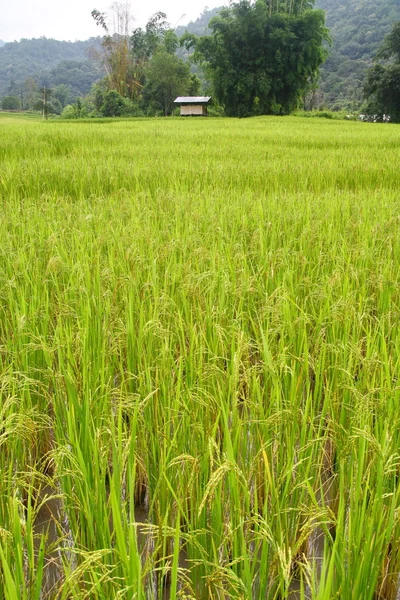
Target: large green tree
[(262, 55), (155, 37), (382, 84), (167, 77)]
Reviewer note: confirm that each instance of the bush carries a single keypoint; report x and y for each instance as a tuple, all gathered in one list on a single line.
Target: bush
[(132, 109), (70, 112), (10, 103), (113, 105)]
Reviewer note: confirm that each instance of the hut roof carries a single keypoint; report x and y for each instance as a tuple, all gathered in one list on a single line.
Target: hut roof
[(192, 100)]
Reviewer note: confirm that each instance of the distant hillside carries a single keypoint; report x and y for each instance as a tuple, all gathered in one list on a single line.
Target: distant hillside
[(357, 30), (1, 43), (200, 25), (48, 61)]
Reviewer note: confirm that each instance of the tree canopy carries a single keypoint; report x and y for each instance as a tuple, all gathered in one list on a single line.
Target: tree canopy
[(261, 56), (167, 77), (382, 85)]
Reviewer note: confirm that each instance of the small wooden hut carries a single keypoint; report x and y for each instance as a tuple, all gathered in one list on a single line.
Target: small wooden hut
[(193, 106)]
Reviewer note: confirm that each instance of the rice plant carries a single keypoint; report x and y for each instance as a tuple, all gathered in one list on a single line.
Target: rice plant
[(199, 358)]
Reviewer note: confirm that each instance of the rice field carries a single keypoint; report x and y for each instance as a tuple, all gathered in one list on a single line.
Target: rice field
[(199, 359)]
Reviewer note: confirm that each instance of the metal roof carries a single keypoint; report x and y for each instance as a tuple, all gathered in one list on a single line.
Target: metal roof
[(192, 100)]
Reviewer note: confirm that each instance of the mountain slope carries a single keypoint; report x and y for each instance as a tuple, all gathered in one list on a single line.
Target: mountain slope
[(357, 29), (40, 59)]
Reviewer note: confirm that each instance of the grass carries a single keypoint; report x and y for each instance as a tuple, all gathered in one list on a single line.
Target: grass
[(18, 116), (199, 321)]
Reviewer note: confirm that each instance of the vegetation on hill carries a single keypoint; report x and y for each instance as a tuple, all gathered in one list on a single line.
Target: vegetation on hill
[(357, 29), (201, 25), (48, 62), (382, 85)]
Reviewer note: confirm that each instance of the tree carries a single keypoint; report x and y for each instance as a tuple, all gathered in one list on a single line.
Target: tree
[(62, 93), (156, 36), (31, 92), (10, 103), (44, 104), (194, 85), (261, 56), (382, 84), (167, 77), (116, 55), (113, 104)]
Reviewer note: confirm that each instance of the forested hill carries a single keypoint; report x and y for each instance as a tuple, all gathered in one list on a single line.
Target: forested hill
[(200, 25), (49, 62), (357, 29)]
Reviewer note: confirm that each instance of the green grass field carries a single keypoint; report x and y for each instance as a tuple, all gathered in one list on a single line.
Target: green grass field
[(199, 359)]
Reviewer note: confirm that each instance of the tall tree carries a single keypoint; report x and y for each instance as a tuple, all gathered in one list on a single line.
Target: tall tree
[(167, 77), (382, 84), (156, 36), (116, 55), (261, 56)]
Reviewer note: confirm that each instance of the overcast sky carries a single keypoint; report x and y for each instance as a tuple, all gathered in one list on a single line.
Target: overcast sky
[(71, 20)]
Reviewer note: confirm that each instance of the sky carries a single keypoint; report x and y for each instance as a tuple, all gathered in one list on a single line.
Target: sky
[(72, 21)]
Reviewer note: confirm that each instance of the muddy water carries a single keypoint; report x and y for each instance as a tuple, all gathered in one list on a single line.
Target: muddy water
[(46, 524), (49, 522)]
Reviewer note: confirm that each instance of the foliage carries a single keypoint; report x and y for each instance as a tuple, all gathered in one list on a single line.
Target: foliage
[(62, 93), (145, 42), (259, 59), (10, 103), (72, 111), (47, 61), (46, 104), (113, 104), (116, 55), (357, 29), (382, 85), (157, 36), (167, 77), (194, 88)]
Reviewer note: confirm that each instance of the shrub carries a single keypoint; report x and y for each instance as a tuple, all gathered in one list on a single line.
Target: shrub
[(113, 105), (10, 103)]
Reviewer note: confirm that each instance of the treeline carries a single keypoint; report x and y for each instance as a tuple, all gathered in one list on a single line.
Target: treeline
[(158, 64), (260, 58)]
